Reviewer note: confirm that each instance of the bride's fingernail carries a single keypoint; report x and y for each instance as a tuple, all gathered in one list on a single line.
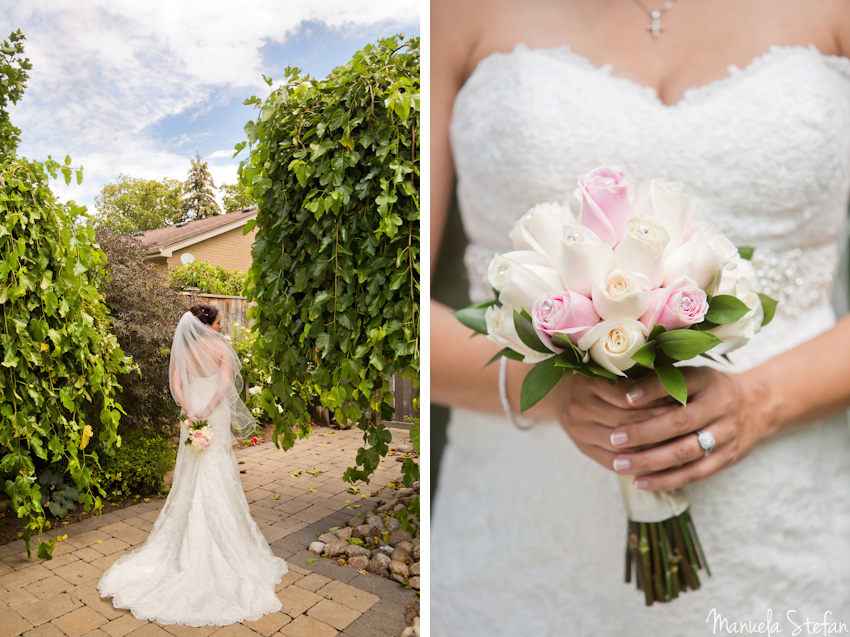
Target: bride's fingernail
[(619, 438), (621, 464), (641, 484), (634, 395)]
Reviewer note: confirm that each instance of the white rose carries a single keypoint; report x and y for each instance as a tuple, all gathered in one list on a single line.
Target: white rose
[(622, 294), (668, 204), (611, 343), (522, 277), (743, 284), (540, 229), (502, 331), (642, 249), (584, 259), (696, 258)]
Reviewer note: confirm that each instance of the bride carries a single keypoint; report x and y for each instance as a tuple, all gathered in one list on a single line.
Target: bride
[(747, 103), (205, 561)]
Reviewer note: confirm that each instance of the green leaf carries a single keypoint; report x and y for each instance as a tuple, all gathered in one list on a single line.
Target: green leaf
[(724, 309), (252, 223), (673, 380), (310, 560), (45, 549), (683, 345), (645, 355), (526, 333), (473, 318), (746, 252), (769, 306), (539, 381)]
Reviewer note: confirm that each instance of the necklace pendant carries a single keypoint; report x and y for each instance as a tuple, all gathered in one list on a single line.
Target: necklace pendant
[(655, 25)]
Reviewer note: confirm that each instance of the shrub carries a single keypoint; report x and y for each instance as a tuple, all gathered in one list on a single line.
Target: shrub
[(334, 167), (210, 279), (145, 312), (139, 465)]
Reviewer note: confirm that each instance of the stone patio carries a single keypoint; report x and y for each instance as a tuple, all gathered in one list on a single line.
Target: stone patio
[(58, 597)]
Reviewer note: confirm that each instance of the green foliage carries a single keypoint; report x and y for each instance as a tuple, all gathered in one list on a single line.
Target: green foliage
[(236, 197), (198, 196), (139, 465), (134, 205), (60, 361), (13, 82), (144, 312), (334, 168), (210, 279), (56, 495)]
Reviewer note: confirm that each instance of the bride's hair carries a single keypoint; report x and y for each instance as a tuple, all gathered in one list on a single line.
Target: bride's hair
[(205, 313)]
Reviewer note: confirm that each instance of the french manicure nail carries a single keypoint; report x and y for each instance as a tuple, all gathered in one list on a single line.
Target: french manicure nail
[(641, 484), (619, 438), (634, 395), (621, 464)]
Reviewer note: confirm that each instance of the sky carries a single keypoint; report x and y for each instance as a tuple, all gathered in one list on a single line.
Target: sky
[(138, 87)]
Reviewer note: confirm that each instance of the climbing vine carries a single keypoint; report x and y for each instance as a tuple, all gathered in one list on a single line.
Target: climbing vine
[(334, 167)]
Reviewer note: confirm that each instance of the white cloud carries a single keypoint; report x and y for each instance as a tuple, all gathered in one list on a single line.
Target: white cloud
[(107, 72)]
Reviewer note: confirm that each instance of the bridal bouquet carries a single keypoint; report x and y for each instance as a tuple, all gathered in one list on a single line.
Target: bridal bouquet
[(200, 435), (631, 285)]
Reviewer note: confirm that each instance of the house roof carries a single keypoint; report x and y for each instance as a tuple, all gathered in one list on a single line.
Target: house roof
[(164, 241)]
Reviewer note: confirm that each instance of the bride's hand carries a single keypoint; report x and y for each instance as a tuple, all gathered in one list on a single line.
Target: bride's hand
[(590, 409), (663, 451)]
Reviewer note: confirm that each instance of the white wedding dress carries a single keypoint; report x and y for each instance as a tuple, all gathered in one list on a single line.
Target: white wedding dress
[(528, 534), (205, 561)]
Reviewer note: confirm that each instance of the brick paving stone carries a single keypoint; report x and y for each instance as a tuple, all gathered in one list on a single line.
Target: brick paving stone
[(333, 613), (12, 624), (48, 609), (179, 630), (97, 632), (104, 562), (88, 538), (45, 630), (123, 625), (89, 595), (78, 572), (273, 533), (289, 579), (87, 554), (150, 630), (17, 597), (373, 624), (48, 587), (348, 596), (131, 535), (5, 568), (235, 630), (269, 624), (295, 601), (110, 546), (304, 626), (24, 576), (114, 527), (150, 516), (313, 582), (60, 560)]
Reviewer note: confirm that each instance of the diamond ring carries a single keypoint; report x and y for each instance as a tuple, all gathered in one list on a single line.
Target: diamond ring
[(706, 440)]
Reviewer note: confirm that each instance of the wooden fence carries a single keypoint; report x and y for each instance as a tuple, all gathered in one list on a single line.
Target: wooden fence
[(234, 310)]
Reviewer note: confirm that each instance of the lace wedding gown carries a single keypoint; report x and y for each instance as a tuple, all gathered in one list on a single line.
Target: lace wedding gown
[(528, 534), (205, 561)]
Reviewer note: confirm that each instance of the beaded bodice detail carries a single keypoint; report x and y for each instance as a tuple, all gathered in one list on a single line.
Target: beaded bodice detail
[(764, 151)]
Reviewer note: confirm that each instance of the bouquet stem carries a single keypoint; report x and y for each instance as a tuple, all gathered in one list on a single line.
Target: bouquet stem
[(665, 557)]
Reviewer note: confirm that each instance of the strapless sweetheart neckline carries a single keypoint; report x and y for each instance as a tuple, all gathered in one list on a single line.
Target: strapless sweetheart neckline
[(774, 54)]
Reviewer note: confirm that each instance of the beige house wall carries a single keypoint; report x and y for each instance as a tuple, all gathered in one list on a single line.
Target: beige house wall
[(230, 250)]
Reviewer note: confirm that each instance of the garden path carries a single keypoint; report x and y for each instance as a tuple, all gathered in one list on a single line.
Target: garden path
[(58, 597)]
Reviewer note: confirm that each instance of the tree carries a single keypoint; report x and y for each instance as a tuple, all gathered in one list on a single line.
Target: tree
[(13, 81), (133, 205), (335, 171), (236, 197), (58, 376), (198, 197)]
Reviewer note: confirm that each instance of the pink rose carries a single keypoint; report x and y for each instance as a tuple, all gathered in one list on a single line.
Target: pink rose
[(605, 207), (677, 306), (564, 313)]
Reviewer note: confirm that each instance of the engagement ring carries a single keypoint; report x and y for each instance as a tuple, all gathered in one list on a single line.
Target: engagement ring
[(706, 440)]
